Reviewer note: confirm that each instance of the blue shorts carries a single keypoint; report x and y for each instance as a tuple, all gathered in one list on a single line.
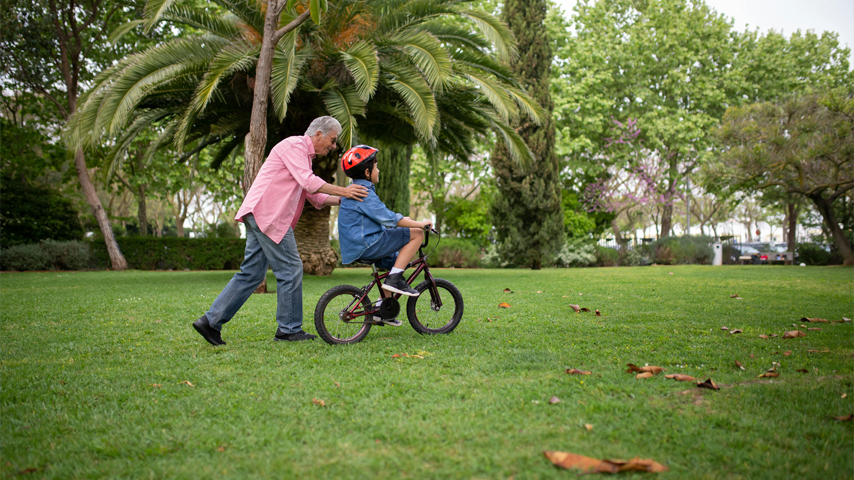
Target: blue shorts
[(385, 250)]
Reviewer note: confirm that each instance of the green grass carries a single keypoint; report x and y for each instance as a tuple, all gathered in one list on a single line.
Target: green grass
[(81, 351)]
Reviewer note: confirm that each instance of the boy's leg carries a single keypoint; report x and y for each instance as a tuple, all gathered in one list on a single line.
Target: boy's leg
[(416, 236)]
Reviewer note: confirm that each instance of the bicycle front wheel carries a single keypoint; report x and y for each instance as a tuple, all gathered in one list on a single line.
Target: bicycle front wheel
[(437, 310), (331, 319)]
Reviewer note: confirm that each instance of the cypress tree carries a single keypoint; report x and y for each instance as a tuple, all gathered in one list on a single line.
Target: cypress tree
[(393, 188), (527, 211)]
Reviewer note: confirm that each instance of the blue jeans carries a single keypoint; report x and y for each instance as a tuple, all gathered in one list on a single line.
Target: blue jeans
[(260, 253)]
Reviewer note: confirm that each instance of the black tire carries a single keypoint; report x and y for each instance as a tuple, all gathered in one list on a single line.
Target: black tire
[(425, 319), (331, 328)]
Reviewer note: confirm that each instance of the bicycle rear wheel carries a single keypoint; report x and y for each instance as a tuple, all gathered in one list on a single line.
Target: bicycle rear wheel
[(425, 314), (330, 316)]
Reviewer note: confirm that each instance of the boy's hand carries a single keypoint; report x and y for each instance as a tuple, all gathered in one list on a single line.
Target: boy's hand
[(355, 192), (427, 224)]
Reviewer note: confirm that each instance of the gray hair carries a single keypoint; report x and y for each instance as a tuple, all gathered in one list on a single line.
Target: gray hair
[(325, 125)]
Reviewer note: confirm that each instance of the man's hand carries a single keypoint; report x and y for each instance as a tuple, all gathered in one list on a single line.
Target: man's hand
[(355, 192)]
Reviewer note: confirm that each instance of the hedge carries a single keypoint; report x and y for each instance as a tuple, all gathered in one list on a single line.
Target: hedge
[(172, 253)]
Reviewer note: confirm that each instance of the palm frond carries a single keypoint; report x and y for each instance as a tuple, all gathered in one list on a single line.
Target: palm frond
[(416, 93), (226, 26), (344, 104), (225, 150), (530, 106), (468, 60), (165, 136), (237, 56), (287, 65), (519, 150), (428, 54), (141, 122), (362, 62), (122, 30), (454, 35), (396, 16), (248, 11), (495, 31), (154, 9), (496, 95)]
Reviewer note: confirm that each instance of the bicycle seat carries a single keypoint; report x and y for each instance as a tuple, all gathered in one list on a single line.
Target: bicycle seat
[(371, 262)]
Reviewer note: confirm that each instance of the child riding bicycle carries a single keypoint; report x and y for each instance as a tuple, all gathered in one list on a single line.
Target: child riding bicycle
[(369, 231)]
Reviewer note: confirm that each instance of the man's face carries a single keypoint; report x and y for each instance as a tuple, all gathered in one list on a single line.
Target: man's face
[(324, 144)]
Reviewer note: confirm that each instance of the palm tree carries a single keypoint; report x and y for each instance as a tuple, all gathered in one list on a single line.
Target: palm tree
[(398, 72)]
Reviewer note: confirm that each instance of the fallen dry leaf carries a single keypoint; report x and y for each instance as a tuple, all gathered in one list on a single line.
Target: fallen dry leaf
[(589, 427), (649, 369), (337, 384), (709, 383), (814, 329), (554, 400), (221, 448), (317, 402), (670, 273), (802, 370), (507, 290), (724, 328), (794, 333), (802, 326), (644, 375), (592, 465), (575, 307), (188, 383), (737, 330), (598, 313), (575, 371), (818, 351), (155, 385), (738, 364), (846, 418), (814, 320), (769, 375), (774, 335), (766, 337), (396, 355), (735, 295), (787, 353), (681, 377), (539, 291), (843, 395), (504, 305), (845, 320), (751, 355), (585, 309)]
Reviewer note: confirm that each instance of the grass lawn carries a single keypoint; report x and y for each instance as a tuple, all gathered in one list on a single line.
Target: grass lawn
[(93, 365)]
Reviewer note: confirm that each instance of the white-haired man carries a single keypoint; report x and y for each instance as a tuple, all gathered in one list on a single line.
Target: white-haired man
[(270, 210)]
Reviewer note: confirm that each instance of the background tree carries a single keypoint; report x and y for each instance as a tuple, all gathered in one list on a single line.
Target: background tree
[(50, 48), (668, 64), (527, 210), (803, 144)]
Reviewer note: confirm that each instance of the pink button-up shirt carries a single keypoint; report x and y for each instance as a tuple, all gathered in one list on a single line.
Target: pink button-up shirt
[(281, 187)]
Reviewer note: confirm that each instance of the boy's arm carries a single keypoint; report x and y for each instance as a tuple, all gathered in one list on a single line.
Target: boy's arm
[(376, 210), (410, 223)]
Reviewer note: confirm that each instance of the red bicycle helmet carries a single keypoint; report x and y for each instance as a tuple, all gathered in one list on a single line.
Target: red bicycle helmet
[(358, 155)]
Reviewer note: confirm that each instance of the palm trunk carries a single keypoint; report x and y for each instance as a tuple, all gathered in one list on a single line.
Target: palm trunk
[(117, 260), (312, 236), (842, 243)]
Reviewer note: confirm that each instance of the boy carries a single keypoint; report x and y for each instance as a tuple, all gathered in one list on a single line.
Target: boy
[(368, 230)]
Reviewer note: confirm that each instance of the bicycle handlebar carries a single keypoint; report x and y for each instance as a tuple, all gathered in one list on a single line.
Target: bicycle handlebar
[(427, 235)]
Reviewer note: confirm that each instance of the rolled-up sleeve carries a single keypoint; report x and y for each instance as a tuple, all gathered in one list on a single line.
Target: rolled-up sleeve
[(294, 160), (317, 199), (374, 209)]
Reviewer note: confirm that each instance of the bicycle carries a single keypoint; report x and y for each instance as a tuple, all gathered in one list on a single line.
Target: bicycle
[(345, 314)]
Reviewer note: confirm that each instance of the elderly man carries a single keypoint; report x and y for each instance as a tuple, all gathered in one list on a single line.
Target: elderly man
[(270, 210)]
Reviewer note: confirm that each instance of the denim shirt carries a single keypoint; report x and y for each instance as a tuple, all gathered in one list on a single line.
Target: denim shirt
[(360, 224)]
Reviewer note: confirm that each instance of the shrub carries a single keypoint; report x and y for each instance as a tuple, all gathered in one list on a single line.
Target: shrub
[(173, 253), (30, 213), (638, 256), (68, 255), (686, 249), (455, 252), (492, 258), (576, 253), (812, 254), (607, 257), (25, 258)]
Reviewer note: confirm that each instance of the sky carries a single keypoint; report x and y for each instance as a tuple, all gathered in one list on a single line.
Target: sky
[(783, 15)]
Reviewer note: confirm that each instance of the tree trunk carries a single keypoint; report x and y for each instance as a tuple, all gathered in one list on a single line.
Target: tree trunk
[(618, 235), (117, 260), (312, 235), (393, 187), (842, 244), (792, 217), (143, 213), (666, 220), (667, 211)]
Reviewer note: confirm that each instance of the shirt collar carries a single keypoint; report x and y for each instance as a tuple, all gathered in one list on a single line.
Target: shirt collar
[(310, 146), (363, 182)]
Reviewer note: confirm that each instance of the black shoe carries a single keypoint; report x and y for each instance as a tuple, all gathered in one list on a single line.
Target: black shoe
[(392, 322), (395, 283), (203, 326), (294, 337)]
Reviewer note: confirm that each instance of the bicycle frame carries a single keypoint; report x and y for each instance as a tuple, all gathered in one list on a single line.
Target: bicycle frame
[(420, 266)]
